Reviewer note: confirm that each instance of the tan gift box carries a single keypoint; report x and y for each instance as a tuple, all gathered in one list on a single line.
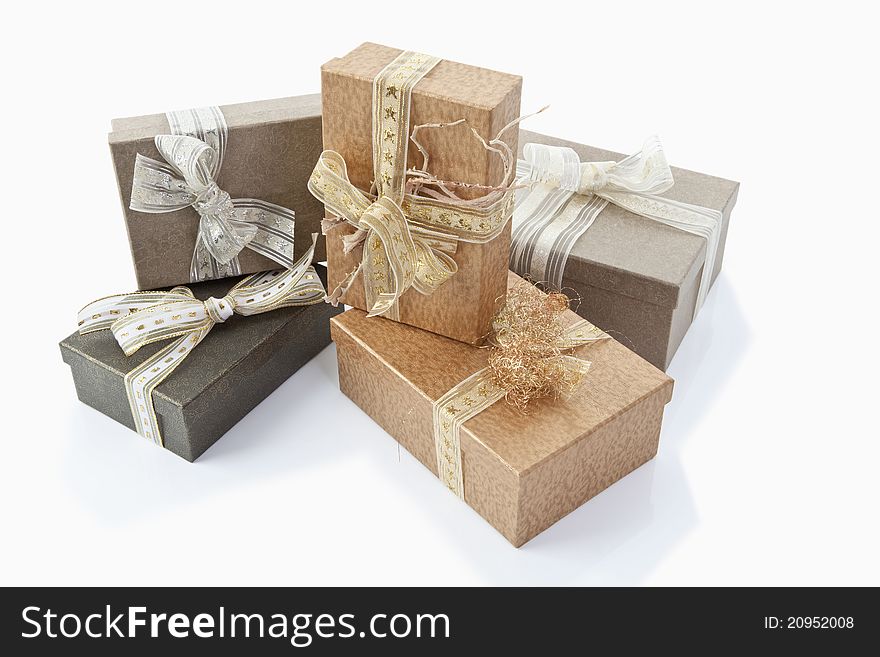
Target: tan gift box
[(521, 472), (272, 147), (462, 307)]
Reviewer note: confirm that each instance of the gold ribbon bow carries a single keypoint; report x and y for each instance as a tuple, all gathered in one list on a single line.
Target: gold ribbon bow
[(526, 361), (406, 238), (141, 318)]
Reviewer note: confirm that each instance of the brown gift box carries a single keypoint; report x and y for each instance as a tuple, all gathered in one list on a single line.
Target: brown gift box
[(637, 278), (233, 369), (522, 472), (462, 307), (273, 146)]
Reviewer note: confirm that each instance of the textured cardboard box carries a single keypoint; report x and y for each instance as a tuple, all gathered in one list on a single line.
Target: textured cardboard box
[(522, 473), (235, 367), (638, 278), (462, 307), (273, 146)]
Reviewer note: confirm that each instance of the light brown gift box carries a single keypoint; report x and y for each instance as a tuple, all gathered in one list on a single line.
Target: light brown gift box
[(273, 146), (522, 472), (462, 307), (637, 278)]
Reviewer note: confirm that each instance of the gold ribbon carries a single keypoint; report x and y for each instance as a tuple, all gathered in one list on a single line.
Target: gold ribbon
[(406, 238), (141, 318), (480, 390)]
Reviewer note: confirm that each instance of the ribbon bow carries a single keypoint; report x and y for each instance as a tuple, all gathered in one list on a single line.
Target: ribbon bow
[(517, 366), (406, 238), (396, 255), (226, 225), (141, 318), (565, 196)]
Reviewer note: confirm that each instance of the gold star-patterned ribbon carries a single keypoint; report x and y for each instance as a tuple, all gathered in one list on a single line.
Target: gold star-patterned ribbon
[(141, 318), (407, 239), (480, 390)]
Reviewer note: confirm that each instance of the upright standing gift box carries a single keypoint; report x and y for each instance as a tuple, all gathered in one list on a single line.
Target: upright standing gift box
[(461, 307), (521, 471), (638, 278), (234, 368), (264, 153)]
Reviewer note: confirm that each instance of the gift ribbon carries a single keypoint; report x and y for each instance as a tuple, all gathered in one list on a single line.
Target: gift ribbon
[(479, 391), (407, 239), (562, 197), (193, 156), (141, 318)]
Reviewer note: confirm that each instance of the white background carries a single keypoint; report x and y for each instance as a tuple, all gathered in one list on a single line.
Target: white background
[(767, 471)]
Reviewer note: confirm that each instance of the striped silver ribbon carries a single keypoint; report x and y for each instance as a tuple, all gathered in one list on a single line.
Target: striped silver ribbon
[(193, 155), (561, 197)]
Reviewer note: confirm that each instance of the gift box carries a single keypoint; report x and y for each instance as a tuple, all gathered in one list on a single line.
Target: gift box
[(637, 278), (460, 307), (521, 470), (237, 365), (261, 156)]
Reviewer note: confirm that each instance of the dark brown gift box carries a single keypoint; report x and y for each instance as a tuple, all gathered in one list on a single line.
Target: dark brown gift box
[(462, 307), (637, 278), (235, 367), (273, 146), (522, 472)]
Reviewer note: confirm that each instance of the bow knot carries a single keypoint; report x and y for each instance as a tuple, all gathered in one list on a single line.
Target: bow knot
[(214, 201), (219, 310), (594, 177)]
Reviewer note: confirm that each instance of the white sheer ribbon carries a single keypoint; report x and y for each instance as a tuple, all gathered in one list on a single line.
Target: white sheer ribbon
[(193, 155), (562, 196)]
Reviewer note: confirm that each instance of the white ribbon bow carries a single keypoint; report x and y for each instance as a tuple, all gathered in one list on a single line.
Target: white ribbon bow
[(187, 178), (564, 197)]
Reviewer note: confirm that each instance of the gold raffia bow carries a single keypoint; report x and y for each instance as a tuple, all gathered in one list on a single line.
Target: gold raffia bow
[(141, 318), (407, 238), (485, 387)]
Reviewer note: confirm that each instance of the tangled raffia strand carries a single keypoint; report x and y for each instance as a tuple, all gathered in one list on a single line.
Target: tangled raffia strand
[(525, 358)]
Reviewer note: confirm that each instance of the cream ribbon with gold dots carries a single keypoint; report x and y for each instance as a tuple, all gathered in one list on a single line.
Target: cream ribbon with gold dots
[(141, 318)]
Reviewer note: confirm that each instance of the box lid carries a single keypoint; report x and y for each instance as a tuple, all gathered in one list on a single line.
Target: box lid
[(634, 256), (618, 379), (225, 347), (238, 114)]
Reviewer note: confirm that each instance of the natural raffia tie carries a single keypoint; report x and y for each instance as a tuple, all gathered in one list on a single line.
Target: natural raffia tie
[(521, 368), (562, 197), (140, 318), (407, 238), (193, 156)]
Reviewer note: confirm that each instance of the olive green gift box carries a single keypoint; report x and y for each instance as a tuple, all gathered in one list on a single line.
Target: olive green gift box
[(235, 367)]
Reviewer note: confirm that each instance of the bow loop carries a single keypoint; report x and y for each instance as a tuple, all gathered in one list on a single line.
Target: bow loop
[(192, 159)]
